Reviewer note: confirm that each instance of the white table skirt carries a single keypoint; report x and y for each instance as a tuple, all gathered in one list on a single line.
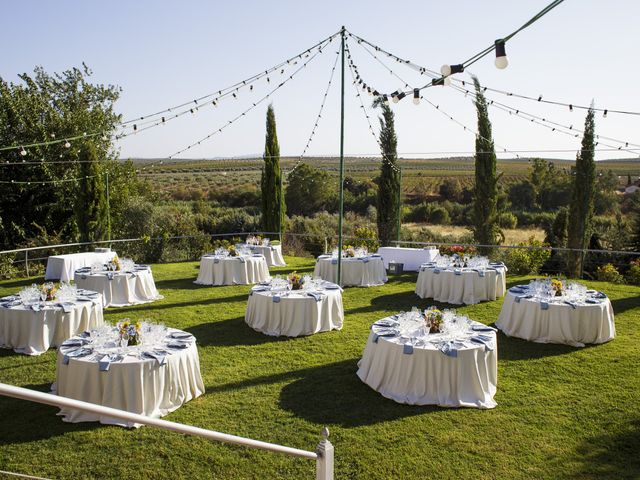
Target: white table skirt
[(272, 253), (427, 376), (561, 323), (125, 289), (412, 258), (33, 333), (137, 386), (63, 267), (468, 288), (232, 271), (296, 314), (355, 272)]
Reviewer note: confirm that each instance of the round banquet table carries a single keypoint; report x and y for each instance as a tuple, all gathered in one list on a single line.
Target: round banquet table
[(241, 270), (530, 318), (461, 285), (295, 313), (151, 380), (32, 332), (120, 288), (272, 253), (431, 370), (366, 271)]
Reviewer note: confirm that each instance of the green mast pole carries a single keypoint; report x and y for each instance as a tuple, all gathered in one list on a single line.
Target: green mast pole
[(399, 205), (341, 212), (108, 209)]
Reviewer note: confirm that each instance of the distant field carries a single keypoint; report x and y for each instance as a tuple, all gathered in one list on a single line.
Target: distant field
[(419, 175)]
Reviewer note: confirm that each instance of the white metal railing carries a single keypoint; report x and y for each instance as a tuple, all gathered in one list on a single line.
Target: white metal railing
[(323, 454)]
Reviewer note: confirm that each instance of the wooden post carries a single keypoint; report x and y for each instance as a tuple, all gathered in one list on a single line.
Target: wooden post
[(324, 463)]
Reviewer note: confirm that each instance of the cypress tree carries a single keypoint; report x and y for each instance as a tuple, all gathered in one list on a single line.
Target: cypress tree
[(273, 206), (582, 198), (485, 196), (91, 201), (389, 184)]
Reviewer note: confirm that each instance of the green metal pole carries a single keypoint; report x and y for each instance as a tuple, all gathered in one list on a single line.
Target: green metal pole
[(341, 213), (108, 211), (399, 207)]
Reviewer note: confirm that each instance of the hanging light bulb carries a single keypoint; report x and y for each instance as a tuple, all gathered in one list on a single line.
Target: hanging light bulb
[(401, 96), (501, 55), (445, 70), (385, 99), (67, 144), (447, 81), (23, 152), (394, 97), (416, 96)]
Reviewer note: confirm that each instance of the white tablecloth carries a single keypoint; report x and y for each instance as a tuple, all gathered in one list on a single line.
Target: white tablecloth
[(468, 287), (232, 270), (561, 323), (412, 258), (141, 386), (429, 377), (33, 333), (358, 272), (63, 266), (272, 253), (126, 288), (294, 314)]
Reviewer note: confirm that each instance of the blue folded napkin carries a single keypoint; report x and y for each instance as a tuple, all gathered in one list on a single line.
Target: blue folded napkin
[(516, 289), (110, 275), (159, 357), (67, 307), (449, 348), (457, 271), (334, 261), (36, 307), (133, 274), (261, 288), (177, 345), (83, 277), (593, 301), (436, 270), (384, 332), (105, 362), (407, 349), (364, 260), (216, 260), (74, 342), (544, 305), (317, 296), (482, 328), (484, 340), (256, 255), (241, 259), (331, 286), (481, 273), (275, 298), (599, 295), (180, 335), (77, 353), (375, 255), (573, 305), (385, 323)]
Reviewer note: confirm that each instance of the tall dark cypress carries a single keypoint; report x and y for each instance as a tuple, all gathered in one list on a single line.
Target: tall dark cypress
[(485, 198), (582, 198), (273, 206), (91, 202), (389, 186)]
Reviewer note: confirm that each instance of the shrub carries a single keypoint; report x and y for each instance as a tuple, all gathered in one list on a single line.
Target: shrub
[(7, 270), (633, 274), (525, 261), (366, 237), (609, 273), (507, 220), (439, 216)]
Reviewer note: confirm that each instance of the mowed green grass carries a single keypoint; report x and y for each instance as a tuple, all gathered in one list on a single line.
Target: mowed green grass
[(562, 412)]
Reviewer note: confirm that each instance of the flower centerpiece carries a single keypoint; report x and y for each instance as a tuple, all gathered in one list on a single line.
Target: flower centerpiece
[(348, 251), (295, 280), (556, 284), (433, 318), (114, 264), (50, 290), (129, 332), (459, 250), (232, 251)]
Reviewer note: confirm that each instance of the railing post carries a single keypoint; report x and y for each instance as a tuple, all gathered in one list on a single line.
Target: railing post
[(26, 262), (326, 245), (324, 463)]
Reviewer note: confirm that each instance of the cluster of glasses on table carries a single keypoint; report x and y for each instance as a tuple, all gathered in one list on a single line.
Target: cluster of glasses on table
[(38, 294), (242, 250), (456, 261), (413, 327), (309, 283), (257, 241), (358, 252), (544, 290), (126, 265)]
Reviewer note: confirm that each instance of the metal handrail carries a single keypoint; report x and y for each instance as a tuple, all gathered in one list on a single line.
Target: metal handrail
[(323, 454)]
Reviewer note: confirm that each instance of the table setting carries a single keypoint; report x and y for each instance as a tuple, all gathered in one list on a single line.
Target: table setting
[(63, 267), (459, 279), (432, 357), (136, 366), (43, 316), (359, 268), (557, 311), (121, 282), (232, 266), (411, 258), (272, 250), (295, 306)]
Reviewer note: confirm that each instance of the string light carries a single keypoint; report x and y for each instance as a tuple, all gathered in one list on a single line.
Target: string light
[(44, 182), (501, 61)]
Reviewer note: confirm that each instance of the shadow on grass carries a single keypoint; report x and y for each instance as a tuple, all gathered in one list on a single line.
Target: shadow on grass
[(612, 455), (25, 282), (34, 421), (510, 348), (230, 333), (147, 307), (623, 304)]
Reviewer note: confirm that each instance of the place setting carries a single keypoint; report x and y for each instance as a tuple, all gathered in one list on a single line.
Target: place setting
[(43, 316), (137, 366), (557, 311), (232, 266), (359, 268), (121, 282), (432, 357), (460, 279), (295, 306)]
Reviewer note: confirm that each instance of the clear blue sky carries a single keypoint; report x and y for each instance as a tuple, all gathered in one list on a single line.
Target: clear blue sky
[(165, 52)]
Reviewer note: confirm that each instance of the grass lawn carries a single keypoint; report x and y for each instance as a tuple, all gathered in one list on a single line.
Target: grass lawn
[(562, 412)]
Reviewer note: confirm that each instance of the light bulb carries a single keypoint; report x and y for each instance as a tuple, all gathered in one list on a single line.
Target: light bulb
[(23, 152), (445, 70), (67, 144), (447, 81), (416, 96), (395, 99), (416, 100), (502, 62)]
